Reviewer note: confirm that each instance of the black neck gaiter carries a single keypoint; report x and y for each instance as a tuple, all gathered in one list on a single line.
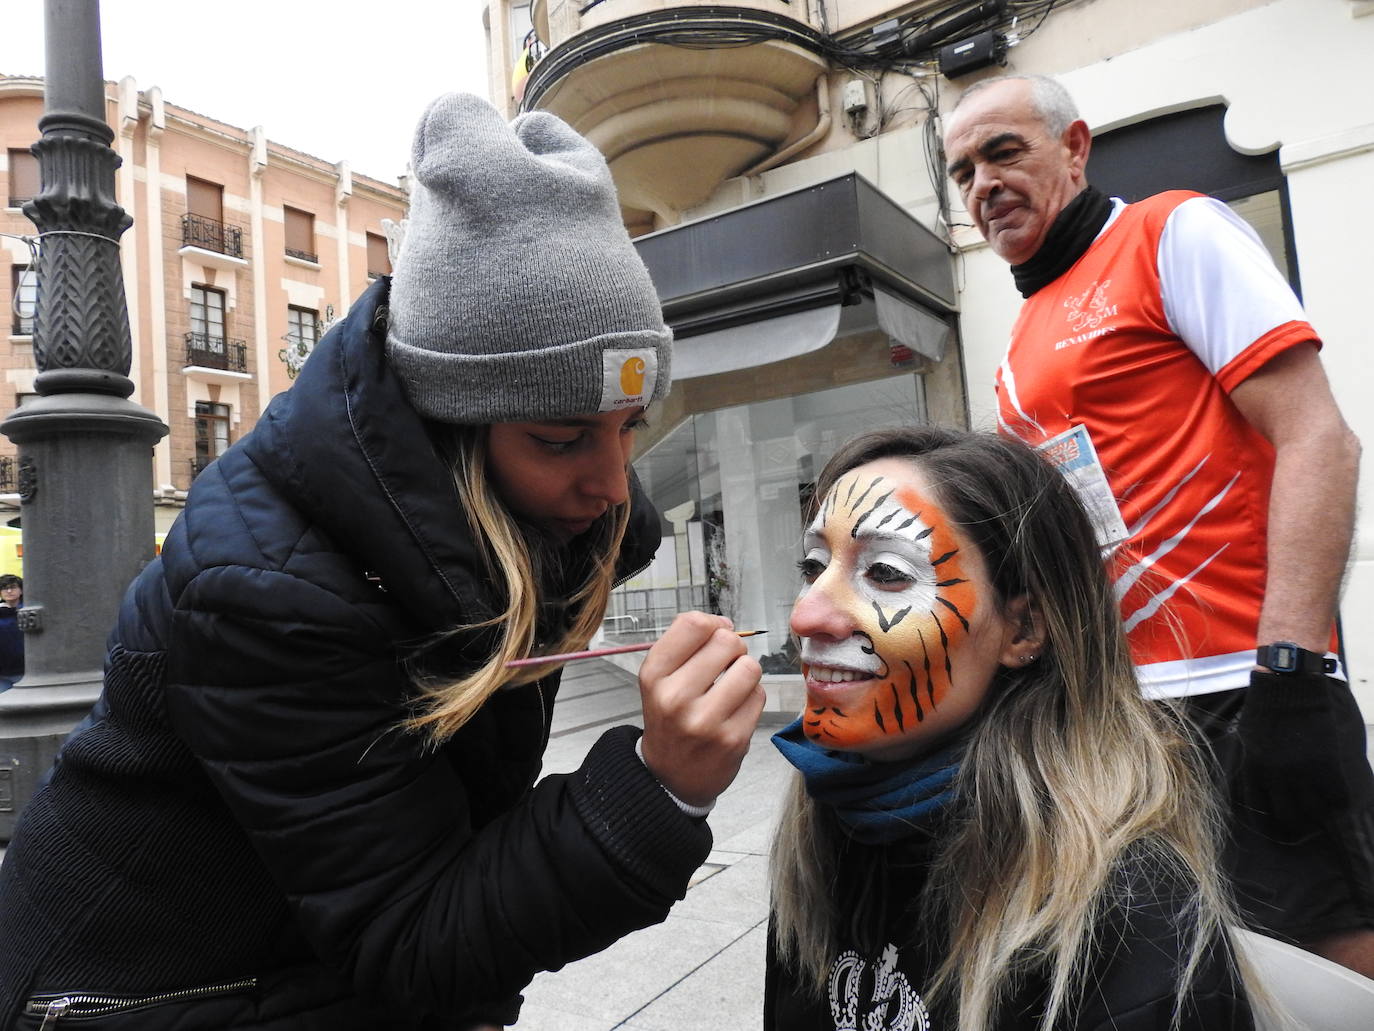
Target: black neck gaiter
[(1073, 231)]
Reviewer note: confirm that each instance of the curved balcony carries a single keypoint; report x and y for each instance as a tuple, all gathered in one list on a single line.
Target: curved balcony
[(678, 99)]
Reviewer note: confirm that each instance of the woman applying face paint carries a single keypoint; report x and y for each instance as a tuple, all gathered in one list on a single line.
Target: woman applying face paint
[(988, 829)]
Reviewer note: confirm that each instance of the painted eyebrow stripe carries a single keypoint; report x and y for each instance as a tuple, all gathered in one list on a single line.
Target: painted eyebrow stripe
[(949, 583), (883, 522), (908, 522), (953, 608), (945, 557), (876, 480), (854, 530)]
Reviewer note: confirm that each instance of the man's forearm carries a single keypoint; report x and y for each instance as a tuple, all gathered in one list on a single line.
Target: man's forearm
[(1311, 520)]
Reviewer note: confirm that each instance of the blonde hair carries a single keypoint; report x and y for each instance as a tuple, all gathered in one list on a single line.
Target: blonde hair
[(516, 567), (1067, 768)]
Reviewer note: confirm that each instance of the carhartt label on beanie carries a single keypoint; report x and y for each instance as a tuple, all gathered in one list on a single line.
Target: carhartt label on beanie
[(517, 293), (628, 378)]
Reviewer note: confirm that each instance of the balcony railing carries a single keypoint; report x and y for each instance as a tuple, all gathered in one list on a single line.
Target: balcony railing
[(199, 231), (8, 484), (216, 352), (303, 255)]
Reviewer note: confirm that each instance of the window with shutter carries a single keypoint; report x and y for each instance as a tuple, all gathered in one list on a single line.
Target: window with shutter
[(300, 234)]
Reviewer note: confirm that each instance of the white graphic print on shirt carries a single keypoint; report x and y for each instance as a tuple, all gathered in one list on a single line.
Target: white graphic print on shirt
[(892, 1005)]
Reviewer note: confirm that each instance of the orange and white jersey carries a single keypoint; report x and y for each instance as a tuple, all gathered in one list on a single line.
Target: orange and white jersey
[(1136, 348)]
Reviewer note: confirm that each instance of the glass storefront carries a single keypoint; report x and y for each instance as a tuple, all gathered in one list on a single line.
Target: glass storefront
[(731, 485)]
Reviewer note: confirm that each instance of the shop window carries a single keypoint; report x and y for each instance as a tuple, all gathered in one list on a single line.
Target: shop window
[(378, 260), (24, 177), (300, 234), (23, 299), (212, 434), (732, 486)]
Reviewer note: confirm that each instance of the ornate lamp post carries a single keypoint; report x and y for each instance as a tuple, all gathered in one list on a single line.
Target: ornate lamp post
[(85, 450)]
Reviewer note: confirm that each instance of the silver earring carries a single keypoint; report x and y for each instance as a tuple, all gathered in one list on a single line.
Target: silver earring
[(1026, 660)]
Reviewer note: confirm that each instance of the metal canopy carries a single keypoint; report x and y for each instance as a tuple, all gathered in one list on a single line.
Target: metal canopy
[(830, 243)]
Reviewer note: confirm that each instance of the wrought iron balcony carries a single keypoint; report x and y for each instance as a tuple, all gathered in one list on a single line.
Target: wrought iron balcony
[(303, 255), (8, 484), (199, 231), (209, 352)]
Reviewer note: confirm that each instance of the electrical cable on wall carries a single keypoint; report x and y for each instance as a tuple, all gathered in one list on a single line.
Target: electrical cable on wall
[(909, 45)]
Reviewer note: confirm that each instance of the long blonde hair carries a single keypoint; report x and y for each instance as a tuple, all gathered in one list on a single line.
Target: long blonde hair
[(517, 569), (1067, 766)]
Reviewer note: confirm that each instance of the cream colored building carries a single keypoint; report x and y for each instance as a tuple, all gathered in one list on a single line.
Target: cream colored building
[(241, 252), (773, 157)]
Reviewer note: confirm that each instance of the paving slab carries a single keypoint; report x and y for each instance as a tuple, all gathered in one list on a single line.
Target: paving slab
[(724, 994), (615, 984)]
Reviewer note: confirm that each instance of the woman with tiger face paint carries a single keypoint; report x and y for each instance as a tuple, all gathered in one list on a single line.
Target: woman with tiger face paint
[(900, 631), (989, 828)]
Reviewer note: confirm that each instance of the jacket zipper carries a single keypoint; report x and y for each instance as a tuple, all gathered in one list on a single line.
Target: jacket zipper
[(79, 1005)]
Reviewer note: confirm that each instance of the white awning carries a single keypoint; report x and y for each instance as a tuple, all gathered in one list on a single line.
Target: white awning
[(905, 323), (755, 343)]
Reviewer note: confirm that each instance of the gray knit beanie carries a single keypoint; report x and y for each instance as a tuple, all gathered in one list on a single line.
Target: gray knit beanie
[(517, 294)]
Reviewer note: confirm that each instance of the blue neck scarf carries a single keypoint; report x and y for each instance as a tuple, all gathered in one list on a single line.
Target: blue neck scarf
[(877, 802)]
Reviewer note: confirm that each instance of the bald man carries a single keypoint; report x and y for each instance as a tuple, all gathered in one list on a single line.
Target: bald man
[(1165, 364)]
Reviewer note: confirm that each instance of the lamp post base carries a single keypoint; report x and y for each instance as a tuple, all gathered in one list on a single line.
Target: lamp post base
[(36, 715)]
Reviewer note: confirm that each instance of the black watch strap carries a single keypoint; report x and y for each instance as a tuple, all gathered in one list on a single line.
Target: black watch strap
[(1287, 657)]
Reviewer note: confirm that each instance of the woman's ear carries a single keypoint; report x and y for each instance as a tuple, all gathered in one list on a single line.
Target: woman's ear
[(1024, 638)]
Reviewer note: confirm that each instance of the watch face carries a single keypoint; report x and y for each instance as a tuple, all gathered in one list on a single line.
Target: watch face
[(1283, 656)]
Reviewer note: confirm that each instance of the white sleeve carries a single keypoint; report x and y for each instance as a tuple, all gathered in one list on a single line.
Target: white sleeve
[(1220, 288)]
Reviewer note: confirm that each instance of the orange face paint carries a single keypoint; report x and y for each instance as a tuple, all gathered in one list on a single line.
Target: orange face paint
[(891, 619)]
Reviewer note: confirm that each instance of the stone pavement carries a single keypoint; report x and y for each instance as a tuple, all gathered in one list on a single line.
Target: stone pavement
[(702, 968)]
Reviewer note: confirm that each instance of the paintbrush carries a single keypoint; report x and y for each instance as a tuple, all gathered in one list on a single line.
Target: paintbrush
[(596, 653)]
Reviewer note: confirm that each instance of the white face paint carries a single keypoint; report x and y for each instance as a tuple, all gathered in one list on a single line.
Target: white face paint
[(900, 629)]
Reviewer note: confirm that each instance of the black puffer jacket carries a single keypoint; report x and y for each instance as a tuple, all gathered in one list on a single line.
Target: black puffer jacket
[(243, 816)]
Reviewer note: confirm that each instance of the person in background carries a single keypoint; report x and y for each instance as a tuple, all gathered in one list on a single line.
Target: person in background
[(1161, 356), (11, 637), (307, 798), (989, 827)]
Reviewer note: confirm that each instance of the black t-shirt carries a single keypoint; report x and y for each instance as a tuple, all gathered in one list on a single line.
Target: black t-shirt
[(1131, 986)]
